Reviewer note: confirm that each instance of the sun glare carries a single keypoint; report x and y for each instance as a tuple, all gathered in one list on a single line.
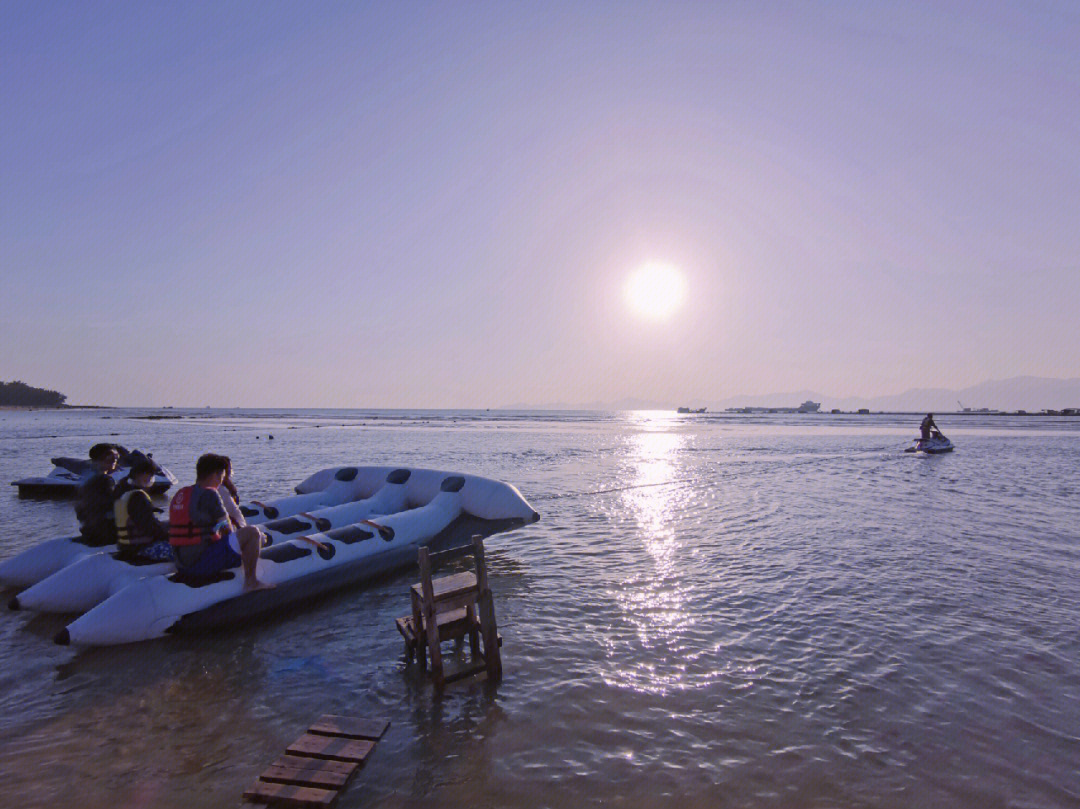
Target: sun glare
[(655, 291)]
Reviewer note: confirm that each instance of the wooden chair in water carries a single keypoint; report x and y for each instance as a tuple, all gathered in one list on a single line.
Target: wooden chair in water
[(451, 608)]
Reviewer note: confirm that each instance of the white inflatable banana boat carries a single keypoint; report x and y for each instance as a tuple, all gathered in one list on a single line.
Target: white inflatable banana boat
[(449, 508), (329, 487), (88, 581)]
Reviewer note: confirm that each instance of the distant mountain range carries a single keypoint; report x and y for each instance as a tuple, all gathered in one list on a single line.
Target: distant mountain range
[(1031, 393)]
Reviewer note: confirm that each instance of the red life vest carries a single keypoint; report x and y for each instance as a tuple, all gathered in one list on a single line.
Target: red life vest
[(182, 531)]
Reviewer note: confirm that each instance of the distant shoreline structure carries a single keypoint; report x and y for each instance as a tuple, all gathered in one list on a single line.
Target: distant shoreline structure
[(806, 407)]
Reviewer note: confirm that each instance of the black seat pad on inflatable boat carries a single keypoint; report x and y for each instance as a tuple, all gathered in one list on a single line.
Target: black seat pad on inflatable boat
[(135, 561), (179, 577)]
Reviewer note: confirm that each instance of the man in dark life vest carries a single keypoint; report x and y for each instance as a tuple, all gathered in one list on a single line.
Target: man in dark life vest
[(927, 425), (95, 505), (202, 538), (140, 536)]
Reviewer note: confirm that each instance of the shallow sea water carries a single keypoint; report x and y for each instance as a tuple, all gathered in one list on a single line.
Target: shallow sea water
[(722, 611)]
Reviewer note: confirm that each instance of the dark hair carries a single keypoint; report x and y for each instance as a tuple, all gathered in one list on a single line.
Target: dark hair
[(141, 466), (99, 451), (210, 464)]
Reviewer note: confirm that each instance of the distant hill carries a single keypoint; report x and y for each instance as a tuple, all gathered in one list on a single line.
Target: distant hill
[(1019, 393), (19, 394), (1029, 393)]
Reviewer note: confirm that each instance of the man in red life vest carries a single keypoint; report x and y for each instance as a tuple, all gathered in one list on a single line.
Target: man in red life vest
[(202, 538)]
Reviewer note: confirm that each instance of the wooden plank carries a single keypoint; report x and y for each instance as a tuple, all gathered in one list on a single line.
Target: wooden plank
[(335, 747), (429, 622), (331, 725), (448, 585), (289, 795), (456, 601), (440, 558), (322, 764), (467, 671), (405, 627), (323, 779)]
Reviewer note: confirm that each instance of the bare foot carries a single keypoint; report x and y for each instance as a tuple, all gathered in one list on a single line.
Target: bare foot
[(256, 584)]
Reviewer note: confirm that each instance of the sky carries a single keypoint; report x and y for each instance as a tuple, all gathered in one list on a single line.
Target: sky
[(439, 204)]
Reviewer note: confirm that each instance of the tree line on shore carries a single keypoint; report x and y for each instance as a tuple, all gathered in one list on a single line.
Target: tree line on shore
[(19, 394)]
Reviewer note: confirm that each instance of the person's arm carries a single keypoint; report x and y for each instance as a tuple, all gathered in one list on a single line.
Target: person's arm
[(233, 510), (141, 511), (230, 487)]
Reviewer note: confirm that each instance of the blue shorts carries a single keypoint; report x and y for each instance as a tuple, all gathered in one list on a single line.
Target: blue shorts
[(159, 551), (216, 556)]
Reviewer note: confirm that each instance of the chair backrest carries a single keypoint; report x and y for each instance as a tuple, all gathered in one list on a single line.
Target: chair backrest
[(429, 561)]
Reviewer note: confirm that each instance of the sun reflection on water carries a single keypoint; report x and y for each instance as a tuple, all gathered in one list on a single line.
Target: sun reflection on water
[(655, 601)]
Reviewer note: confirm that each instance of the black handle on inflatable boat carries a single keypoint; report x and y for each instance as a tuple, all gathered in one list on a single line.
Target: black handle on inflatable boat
[(385, 532), (311, 540)]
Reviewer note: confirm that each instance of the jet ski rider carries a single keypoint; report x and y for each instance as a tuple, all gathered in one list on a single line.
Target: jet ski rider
[(927, 425)]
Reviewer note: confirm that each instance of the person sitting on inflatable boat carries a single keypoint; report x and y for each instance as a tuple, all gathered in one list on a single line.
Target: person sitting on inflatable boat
[(230, 497), (139, 535), (200, 533), (95, 506)]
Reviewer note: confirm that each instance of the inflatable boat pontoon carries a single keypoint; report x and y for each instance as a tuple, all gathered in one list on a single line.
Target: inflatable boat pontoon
[(443, 509)]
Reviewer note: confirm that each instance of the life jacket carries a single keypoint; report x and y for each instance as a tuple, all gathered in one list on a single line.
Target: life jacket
[(185, 533), (127, 534)]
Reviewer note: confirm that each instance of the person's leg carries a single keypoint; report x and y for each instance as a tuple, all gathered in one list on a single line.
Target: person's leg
[(250, 540)]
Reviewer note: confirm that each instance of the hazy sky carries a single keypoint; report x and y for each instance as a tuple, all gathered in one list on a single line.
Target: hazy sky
[(257, 203)]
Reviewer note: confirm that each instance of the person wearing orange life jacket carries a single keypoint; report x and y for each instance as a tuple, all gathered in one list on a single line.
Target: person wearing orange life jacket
[(139, 535), (202, 538)]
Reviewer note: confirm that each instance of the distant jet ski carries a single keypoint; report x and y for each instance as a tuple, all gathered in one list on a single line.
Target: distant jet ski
[(329, 487), (447, 509), (71, 473), (91, 579), (935, 445)]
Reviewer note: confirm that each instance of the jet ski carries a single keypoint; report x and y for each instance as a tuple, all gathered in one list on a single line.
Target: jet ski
[(935, 445), (69, 474), (445, 509)]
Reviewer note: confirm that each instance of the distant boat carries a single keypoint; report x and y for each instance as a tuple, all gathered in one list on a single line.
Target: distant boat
[(690, 410), (809, 407)]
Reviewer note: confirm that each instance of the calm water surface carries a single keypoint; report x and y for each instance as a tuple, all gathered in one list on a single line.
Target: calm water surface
[(713, 611)]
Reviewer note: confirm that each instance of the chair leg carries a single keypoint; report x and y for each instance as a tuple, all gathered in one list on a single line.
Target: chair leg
[(474, 632), (433, 648)]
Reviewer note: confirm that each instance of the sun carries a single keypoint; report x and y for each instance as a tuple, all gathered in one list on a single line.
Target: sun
[(655, 291)]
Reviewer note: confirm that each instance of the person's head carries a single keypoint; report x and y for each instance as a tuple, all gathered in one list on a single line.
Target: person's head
[(930, 416), (210, 469), (228, 466), (106, 456), (142, 472)]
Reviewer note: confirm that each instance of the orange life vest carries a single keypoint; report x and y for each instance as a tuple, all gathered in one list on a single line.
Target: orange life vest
[(182, 531)]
